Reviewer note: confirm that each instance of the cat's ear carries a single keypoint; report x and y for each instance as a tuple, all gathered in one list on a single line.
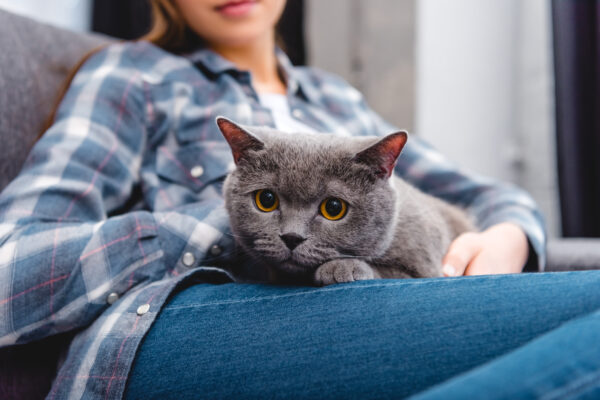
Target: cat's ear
[(382, 155), (239, 139)]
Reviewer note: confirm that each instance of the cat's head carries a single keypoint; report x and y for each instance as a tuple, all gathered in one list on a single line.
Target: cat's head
[(297, 201)]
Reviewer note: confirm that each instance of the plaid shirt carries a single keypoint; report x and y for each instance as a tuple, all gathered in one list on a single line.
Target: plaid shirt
[(120, 201)]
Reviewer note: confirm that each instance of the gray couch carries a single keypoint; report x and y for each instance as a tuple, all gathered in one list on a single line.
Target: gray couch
[(34, 61)]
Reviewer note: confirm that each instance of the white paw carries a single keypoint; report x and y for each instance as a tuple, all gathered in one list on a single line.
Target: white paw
[(345, 270)]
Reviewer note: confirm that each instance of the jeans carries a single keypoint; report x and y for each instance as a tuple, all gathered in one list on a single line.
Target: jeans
[(502, 336)]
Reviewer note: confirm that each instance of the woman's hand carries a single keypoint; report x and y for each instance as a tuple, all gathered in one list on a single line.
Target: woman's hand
[(500, 249)]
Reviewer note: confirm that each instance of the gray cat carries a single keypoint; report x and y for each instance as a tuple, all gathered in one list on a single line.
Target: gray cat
[(323, 209)]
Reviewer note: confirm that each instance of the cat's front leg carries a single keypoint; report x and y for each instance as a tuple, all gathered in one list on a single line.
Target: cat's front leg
[(344, 270)]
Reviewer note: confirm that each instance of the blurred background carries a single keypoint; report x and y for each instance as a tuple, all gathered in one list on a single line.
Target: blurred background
[(505, 88)]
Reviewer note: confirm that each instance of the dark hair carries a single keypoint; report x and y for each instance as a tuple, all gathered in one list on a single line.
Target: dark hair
[(169, 30)]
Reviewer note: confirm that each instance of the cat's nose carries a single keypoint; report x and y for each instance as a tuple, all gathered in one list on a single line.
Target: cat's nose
[(292, 240)]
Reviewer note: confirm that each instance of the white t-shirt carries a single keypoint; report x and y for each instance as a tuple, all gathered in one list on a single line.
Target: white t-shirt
[(282, 115)]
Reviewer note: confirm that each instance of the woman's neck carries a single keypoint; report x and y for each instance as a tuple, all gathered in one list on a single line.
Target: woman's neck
[(259, 58)]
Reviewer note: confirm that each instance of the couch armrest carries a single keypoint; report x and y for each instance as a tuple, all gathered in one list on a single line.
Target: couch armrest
[(573, 254)]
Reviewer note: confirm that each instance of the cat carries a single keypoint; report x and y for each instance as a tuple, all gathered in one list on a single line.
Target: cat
[(322, 209)]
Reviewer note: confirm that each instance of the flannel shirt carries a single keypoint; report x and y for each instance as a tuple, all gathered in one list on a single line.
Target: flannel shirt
[(120, 201)]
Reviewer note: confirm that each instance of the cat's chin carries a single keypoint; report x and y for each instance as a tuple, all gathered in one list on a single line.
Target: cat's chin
[(293, 267)]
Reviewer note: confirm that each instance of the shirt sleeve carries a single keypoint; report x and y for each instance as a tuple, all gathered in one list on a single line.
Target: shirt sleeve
[(489, 201), (63, 248)]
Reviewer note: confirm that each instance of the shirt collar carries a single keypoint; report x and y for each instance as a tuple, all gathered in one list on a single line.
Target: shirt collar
[(211, 61), (296, 82)]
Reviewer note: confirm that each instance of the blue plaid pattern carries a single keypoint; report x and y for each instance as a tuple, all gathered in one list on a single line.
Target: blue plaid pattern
[(128, 179)]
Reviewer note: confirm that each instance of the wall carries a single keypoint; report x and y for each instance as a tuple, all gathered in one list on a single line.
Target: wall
[(371, 44), (485, 90), (70, 14)]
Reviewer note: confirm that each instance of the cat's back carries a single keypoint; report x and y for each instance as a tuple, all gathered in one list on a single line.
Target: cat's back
[(424, 228), (431, 209)]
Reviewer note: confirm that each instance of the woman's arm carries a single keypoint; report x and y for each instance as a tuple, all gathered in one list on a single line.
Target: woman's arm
[(511, 224), (61, 251), (512, 233), (500, 249)]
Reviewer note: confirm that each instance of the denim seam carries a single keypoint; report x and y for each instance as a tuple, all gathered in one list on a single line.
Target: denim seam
[(573, 388), (414, 282), (322, 290)]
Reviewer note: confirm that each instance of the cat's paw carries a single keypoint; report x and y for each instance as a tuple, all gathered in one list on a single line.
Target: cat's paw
[(345, 270)]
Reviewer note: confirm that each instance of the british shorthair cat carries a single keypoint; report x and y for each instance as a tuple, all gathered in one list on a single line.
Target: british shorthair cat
[(323, 209)]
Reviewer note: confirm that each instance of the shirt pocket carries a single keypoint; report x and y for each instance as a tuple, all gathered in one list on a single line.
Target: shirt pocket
[(194, 165), (197, 123)]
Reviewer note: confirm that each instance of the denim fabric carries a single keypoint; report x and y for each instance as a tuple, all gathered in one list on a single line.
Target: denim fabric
[(369, 339), (563, 364)]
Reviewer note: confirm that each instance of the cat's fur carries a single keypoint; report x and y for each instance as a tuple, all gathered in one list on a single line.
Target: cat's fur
[(391, 229)]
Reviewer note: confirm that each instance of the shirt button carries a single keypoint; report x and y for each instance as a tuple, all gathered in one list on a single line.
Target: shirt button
[(197, 171), (215, 250), (297, 113), (188, 259), (111, 298), (143, 309)]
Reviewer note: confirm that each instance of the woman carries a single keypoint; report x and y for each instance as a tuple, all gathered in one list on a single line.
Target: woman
[(118, 216)]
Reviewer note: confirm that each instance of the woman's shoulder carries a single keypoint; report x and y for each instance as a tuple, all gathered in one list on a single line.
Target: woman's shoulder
[(327, 82), (141, 58)]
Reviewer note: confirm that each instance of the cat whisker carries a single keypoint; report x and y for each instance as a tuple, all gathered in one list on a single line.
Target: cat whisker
[(352, 257), (238, 236)]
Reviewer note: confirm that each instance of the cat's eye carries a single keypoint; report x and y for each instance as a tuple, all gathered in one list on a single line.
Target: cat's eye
[(333, 208), (266, 200)]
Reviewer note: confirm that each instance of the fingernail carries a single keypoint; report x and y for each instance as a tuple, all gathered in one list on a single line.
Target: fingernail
[(448, 270)]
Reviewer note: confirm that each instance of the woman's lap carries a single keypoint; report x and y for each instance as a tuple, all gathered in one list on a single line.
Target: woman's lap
[(386, 338), (561, 364)]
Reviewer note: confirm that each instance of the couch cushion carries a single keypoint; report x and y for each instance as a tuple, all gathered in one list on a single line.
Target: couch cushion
[(35, 59), (571, 254)]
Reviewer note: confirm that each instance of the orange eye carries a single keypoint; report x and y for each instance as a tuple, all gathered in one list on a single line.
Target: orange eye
[(266, 200), (333, 208)]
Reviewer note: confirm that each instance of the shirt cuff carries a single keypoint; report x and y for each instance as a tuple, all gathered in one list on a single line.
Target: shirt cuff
[(190, 234)]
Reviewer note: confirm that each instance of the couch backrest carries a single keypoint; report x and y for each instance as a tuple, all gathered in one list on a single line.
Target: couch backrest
[(35, 59)]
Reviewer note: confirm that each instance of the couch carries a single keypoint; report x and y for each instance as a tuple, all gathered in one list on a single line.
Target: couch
[(35, 60)]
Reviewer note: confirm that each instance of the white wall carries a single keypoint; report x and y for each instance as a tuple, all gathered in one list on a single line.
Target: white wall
[(485, 90), (70, 14), (371, 44)]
